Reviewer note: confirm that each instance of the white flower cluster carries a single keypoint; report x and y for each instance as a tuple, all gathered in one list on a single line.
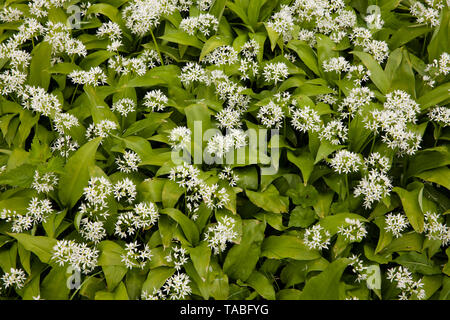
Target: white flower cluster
[(426, 14), (205, 23), (223, 55), (38, 100), (128, 162), (399, 111), (345, 161), (92, 230), (65, 145), (271, 115), (94, 76), (435, 229), (101, 129), (176, 288), (353, 230), (219, 234), (78, 255), (355, 101), (134, 257), (125, 189), (96, 194), (141, 16), (178, 256), (180, 138), (228, 175), (155, 100), (112, 31), (44, 183), (37, 212), (187, 177), (14, 278), (375, 185), (305, 119), (441, 115), (405, 282), (359, 268), (275, 72), (143, 216), (317, 237), (334, 132), (437, 69), (396, 223), (219, 145), (124, 106)]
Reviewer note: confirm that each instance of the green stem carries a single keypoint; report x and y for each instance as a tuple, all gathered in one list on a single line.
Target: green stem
[(73, 95), (437, 136), (156, 46)]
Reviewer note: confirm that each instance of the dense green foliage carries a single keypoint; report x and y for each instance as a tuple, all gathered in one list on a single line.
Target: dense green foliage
[(97, 97)]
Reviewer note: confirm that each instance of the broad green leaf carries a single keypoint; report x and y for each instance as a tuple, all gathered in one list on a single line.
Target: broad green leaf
[(269, 200), (326, 285), (411, 206), (262, 285), (281, 247), (39, 245), (76, 173), (242, 258), (377, 74), (187, 225)]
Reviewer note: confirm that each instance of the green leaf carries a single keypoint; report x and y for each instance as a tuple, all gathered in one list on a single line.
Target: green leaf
[(262, 285), (304, 161), (184, 38), (440, 176), (377, 74), (39, 245), (326, 285), (40, 65), (200, 257), (242, 258), (411, 206), (156, 279), (187, 225), (269, 200), (54, 286), (281, 247), (306, 54), (76, 173), (213, 43), (302, 217)]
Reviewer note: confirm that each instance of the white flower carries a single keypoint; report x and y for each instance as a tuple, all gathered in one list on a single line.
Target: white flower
[(143, 216), (316, 237), (94, 77), (125, 188), (345, 161), (396, 223), (78, 255), (135, 257), (101, 129), (38, 100), (305, 119), (219, 234), (223, 55), (405, 282), (282, 22), (176, 288), (356, 99), (441, 115), (155, 100), (14, 278), (338, 65), (64, 122), (65, 145), (124, 106), (193, 72), (92, 230), (44, 183), (276, 72), (334, 132), (129, 162), (178, 256), (374, 187), (435, 229), (227, 174), (271, 115), (352, 230), (205, 23), (180, 138)]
